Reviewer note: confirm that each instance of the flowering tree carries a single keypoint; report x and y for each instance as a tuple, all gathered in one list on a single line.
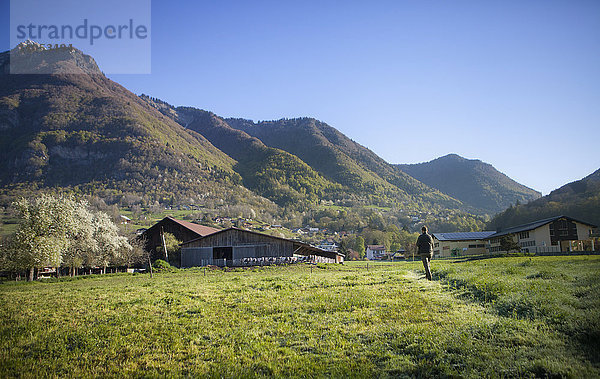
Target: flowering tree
[(58, 229), (82, 243), (42, 235), (109, 242)]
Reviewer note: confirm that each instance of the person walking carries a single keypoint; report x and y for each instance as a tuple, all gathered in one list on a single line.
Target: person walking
[(425, 250)]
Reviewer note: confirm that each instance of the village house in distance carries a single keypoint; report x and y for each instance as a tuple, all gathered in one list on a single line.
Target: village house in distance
[(375, 252)]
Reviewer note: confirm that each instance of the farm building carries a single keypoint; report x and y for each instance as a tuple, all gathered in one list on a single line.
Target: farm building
[(182, 230), (238, 247), (551, 235), (456, 244)]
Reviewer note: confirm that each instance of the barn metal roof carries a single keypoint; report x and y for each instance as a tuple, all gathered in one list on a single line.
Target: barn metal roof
[(201, 230), (463, 236)]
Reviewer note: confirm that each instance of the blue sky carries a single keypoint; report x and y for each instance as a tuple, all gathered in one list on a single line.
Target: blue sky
[(513, 83)]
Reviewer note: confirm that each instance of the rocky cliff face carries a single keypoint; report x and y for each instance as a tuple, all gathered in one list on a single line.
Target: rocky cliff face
[(30, 57)]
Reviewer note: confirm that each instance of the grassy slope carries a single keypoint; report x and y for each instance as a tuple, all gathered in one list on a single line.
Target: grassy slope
[(287, 321)]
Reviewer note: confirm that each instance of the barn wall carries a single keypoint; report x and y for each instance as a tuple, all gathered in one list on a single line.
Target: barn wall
[(196, 256), (260, 250), (274, 247), (252, 249)]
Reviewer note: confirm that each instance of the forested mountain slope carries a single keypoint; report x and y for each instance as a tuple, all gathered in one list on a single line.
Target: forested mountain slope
[(337, 157), (477, 184), (579, 199), (79, 129), (75, 129)]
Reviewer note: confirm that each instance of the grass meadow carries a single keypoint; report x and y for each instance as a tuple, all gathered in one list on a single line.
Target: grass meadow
[(501, 317)]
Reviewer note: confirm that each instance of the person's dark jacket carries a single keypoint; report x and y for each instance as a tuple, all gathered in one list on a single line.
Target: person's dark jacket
[(425, 244)]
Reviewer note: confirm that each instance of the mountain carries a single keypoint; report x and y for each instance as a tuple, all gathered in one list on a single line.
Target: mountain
[(75, 129), (78, 129), (33, 58), (290, 160), (273, 173), (579, 199), (477, 184), (340, 159)]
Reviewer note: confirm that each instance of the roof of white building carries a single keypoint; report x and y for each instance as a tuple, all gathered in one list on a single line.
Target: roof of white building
[(463, 236), (536, 224)]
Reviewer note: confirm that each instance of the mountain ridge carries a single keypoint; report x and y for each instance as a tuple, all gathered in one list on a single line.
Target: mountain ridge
[(329, 157), (579, 199), (477, 184), (85, 131), (287, 134)]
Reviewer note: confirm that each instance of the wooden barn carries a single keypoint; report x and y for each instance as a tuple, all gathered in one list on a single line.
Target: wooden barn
[(238, 247), (182, 230)]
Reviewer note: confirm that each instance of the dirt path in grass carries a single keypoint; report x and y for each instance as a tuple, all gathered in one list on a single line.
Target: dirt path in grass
[(416, 275)]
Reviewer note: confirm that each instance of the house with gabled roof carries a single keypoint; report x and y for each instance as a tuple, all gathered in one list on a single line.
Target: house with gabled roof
[(375, 252), (462, 243), (550, 235)]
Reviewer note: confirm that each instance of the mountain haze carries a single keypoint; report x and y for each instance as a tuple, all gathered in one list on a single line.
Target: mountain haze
[(477, 184)]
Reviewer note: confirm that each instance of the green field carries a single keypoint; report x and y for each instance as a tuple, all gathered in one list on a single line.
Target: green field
[(501, 317)]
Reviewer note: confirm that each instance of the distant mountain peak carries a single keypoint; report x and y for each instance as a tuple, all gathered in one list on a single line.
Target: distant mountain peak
[(30, 44), (453, 157), (475, 183), (30, 57)]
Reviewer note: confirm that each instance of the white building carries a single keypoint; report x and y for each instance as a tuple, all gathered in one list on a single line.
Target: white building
[(462, 243), (328, 246), (375, 252), (551, 235)]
